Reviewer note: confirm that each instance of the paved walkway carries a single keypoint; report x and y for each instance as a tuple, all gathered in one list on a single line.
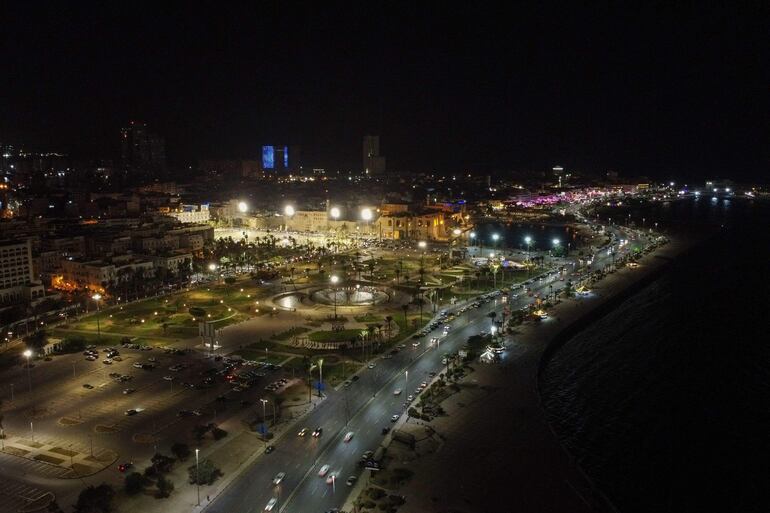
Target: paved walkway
[(57, 457)]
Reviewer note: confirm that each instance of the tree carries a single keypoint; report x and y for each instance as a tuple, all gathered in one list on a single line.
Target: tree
[(95, 499), (389, 322), (162, 463), (405, 308), (181, 451), (36, 341), (230, 280), (165, 487), (134, 483), (205, 474)]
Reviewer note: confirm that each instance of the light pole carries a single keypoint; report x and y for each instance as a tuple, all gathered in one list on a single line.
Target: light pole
[(28, 353), (367, 215), (472, 236), (320, 375), (264, 402), (495, 238), (96, 298), (528, 241), (422, 245), (334, 212), (197, 476), (406, 382), (334, 279), (556, 243)]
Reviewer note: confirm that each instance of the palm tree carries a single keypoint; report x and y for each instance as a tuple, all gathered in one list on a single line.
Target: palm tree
[(398, 275), (405, 308)]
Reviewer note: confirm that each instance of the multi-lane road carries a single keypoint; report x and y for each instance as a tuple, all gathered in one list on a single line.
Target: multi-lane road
[(367, 406)]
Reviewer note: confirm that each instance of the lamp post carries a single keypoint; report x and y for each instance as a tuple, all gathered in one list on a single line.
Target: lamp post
[(472, 236), (555, 243), (367, 215), (334, 279), (28, 353), (334, 213), (495, 238), (406, 382), (264, 402), (96, 298), (320, 375), (197, 476), (422, 245)]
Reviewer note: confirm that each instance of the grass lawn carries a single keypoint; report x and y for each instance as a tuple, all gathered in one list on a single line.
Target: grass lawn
[(259, 356), (291, 332), (170, 316), (333, 336)]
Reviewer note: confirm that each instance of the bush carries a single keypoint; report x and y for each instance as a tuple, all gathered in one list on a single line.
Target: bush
[(95, 499), (208, 473), (196, 311), (181, 451), (165, 487), (162, 463), (369, 504), (134, 483), (73, 344)]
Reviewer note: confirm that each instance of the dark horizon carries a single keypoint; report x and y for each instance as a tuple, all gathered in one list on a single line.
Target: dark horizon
[(660, 91)]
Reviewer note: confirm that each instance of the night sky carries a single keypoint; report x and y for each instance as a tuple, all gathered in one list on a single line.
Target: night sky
[(656, 90)]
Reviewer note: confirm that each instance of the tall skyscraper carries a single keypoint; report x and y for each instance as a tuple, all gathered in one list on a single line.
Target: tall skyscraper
[(280, 159), (374, 163), (143, 153)]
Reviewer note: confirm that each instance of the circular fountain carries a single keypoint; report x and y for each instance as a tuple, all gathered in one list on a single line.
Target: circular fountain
[(351, 296)]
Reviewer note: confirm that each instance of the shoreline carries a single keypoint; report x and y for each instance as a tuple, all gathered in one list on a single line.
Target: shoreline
[(519, 450)]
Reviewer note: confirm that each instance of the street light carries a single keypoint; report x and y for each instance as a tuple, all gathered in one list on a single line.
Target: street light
[(335, 213), (243, 207), (555, 243), (212, 267), (96, 298), (197, 476), (28, 353), (495, 238), (264, 402), (334, 279), (422, 245), (366, 214), (320, 375), (289, 210), (457, 231)]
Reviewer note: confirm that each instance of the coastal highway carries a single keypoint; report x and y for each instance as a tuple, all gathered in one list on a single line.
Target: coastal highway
[(367, 406)]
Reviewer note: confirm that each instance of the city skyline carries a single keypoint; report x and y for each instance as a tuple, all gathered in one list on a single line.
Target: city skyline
[(657, 92)]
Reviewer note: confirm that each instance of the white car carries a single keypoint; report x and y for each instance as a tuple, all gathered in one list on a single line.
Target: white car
[(348, 436), (137, 365), (371, 365), (271, 504), (279, 477), (397, 391), (168, 378), (394, 418), (323, 470)]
